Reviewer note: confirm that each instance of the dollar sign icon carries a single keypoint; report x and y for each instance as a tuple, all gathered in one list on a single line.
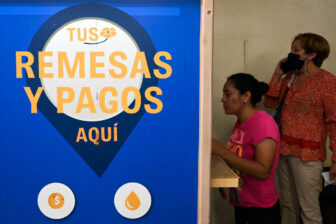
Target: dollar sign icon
[(56, 200)]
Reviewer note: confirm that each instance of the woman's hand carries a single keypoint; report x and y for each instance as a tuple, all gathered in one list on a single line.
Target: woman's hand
[(219, 149), (278, 73), (216, 147)]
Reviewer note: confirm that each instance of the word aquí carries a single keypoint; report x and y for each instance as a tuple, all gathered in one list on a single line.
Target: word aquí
[(66, 94), (95, 135)]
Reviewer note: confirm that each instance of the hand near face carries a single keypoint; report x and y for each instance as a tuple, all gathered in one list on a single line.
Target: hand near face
[(278, 73)]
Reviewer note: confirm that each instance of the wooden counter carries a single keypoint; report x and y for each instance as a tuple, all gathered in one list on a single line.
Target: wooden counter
[(221, 174)]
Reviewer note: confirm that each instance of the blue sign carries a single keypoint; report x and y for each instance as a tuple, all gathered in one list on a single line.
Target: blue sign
[(100, 111)]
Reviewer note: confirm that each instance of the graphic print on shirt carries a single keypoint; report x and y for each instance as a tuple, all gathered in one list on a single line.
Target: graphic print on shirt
[(235, 144)]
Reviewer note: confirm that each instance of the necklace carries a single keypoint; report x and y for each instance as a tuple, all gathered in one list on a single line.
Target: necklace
[(305, 70)]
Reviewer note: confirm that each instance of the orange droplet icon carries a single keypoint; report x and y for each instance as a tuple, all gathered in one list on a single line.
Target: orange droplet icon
[(132, 201)]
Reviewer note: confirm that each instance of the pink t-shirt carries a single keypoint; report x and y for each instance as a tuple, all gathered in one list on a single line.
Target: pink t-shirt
[(243, 142)]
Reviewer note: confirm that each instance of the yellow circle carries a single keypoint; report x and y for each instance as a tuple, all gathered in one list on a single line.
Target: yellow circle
[(56, 200)]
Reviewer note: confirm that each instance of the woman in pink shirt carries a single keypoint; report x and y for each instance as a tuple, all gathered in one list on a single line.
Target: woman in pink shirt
[(252, 151)]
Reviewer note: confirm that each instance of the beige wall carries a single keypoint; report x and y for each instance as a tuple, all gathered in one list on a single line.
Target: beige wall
[(266, 28)]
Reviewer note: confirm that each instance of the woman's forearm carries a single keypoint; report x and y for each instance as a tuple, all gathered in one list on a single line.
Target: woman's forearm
[(249, 167)]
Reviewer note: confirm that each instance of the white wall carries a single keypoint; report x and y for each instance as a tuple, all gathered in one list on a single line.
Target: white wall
[(267, 27)]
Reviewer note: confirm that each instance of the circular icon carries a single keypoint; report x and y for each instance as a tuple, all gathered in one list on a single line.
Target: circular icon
[(56, 201), (119, 40), (132, 200)]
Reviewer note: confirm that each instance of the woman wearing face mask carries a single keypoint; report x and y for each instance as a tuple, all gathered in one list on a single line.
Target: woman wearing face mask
[(252, 151), (308, 113)]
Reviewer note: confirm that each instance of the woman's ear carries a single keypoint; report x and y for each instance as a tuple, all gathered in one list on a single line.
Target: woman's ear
[(246, 96), (311, 56)]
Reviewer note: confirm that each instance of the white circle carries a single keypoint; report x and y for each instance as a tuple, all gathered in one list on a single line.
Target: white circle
[(121, 202), (59, 213), (74, 38)]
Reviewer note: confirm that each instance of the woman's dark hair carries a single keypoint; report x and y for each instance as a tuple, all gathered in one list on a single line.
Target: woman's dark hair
[(246, 82)]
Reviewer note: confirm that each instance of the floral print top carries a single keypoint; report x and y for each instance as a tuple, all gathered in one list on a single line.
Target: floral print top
[(308, 115)]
